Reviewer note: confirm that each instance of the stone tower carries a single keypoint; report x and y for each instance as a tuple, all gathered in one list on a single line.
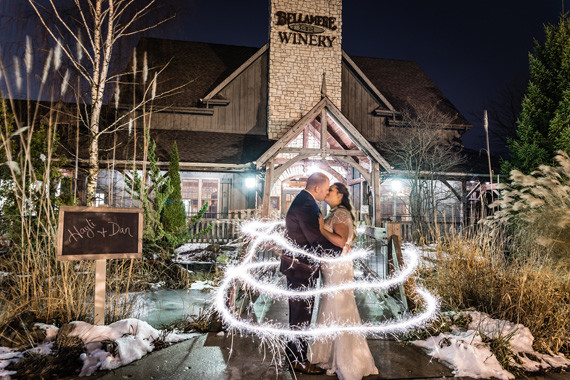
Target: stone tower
[(304, 42)]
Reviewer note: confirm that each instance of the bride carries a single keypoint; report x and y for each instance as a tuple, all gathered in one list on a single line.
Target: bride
[(348, 354)]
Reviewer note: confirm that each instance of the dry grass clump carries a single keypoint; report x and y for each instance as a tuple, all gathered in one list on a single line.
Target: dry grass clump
[(537, 209), (64, 361), (471, 270), (61, 292)]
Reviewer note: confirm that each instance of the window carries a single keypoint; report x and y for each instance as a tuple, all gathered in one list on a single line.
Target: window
[(210, 194), (196, 192), (191, 195), (99, 199)]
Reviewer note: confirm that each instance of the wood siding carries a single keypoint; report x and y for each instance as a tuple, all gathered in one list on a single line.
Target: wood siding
[(246, 112), (358, 103)]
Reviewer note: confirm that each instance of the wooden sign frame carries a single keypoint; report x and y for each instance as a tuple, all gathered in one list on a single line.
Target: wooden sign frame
[(124, 255)]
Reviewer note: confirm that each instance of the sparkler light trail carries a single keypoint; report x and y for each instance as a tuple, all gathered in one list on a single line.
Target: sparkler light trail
[(267, 233)]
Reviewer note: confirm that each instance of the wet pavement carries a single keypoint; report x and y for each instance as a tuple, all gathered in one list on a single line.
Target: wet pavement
[(225, 357), (213, 357)]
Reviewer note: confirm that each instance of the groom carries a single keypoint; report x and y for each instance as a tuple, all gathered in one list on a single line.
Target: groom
[(302, 224)]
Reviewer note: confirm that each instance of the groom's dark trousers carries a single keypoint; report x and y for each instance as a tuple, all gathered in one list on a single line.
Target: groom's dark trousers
[(302, 224)]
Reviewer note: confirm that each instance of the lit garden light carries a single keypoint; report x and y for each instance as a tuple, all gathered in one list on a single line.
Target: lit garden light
[(396, 185), (267, 233), (250, 182)]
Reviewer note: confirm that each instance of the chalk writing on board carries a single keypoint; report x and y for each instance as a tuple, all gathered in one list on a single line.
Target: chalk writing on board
[(89, 229), (99, 232)]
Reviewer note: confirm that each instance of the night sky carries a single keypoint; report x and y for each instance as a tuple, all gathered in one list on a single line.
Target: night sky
[(473, 50)]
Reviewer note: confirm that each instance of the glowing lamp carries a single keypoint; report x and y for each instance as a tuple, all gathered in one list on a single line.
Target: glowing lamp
[(250, 182)]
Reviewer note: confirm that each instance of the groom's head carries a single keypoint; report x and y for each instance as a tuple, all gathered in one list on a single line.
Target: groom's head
[(318, 186)]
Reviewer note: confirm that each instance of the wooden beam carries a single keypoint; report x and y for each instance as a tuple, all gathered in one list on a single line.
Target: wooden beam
[(236, 72), (355, 181), (281, 169), (452, 189), (365, 79), (449, 175), (331, 152), (473, 190), (365, 174), (198, 166), (463, 204), (334, 173), (291, 133), (267, 189), (356, 136), (324, 132), (375, 176)]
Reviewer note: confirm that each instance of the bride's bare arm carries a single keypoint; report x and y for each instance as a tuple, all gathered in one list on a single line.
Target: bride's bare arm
[(338, 237)]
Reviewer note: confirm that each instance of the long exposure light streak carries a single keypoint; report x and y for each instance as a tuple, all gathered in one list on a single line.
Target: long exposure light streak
[(266, 233)]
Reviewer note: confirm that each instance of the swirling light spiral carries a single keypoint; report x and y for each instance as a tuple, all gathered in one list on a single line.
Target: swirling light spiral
[(266, 233)]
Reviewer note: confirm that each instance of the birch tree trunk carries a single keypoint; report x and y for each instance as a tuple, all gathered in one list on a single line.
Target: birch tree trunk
[(104, 22)]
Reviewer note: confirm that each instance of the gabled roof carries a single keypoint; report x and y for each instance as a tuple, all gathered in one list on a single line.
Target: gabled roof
[(340, 119), (196, 66), (193, 146), (200, 67), (405, 84)]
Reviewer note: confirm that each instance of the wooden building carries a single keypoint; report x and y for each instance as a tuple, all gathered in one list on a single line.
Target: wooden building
[(252, 123)]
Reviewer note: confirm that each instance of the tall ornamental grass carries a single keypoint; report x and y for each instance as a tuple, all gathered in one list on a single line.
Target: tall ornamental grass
[(514, 265), (31, 191)]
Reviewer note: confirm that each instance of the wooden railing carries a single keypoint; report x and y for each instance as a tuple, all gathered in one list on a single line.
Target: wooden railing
[(431, 232), (225, 227)]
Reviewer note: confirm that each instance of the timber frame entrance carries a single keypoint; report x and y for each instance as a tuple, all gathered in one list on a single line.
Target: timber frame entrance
[(322, 140)]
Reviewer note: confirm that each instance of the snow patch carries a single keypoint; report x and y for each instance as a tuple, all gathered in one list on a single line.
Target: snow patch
[(134, 339), (50, 330), (191, 247), (467, 355), (7, 355), (202, 285)]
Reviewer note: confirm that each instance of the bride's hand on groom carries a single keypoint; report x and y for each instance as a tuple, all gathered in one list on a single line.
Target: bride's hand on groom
[(321, 222)]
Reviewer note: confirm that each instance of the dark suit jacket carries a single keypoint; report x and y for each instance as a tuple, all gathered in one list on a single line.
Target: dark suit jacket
[(302, 224)]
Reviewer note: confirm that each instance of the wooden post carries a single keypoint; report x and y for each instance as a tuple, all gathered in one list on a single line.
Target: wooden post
[(394, 233), (324, 133), (267, 189), (394, 229), (100, 278), (375, 176), (463, 204)]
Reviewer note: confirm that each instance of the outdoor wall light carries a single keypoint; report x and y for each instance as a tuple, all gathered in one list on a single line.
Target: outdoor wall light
[(396, 185), (250, 182)]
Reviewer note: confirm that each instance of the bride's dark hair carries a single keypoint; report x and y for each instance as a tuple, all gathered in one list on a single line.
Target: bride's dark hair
[(345, 202)]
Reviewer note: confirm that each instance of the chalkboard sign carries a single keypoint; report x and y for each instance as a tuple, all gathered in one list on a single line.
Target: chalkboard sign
[(94, 233)]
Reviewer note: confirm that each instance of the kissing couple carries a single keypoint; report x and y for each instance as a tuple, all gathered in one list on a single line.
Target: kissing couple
[(347, 354)]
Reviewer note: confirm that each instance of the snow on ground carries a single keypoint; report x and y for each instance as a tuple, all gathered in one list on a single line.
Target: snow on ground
[(6, 357), (467, 355), (201, 285), (199, 253), (191, 247), (427, 252), (133, 339)]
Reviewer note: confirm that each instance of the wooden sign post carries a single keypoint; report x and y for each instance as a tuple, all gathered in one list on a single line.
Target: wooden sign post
[(92, 233)]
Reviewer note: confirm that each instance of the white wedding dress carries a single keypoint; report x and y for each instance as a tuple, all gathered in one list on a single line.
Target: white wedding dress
[(347, 354)]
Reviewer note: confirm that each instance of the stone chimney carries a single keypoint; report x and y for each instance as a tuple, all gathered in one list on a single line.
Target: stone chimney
[(304, 42)]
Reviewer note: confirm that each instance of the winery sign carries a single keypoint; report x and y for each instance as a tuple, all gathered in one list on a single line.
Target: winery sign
[(306, 29)]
